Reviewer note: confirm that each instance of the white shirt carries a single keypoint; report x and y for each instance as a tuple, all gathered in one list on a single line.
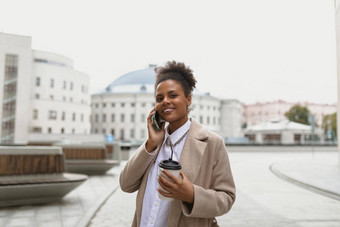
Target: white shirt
[(155, 212)]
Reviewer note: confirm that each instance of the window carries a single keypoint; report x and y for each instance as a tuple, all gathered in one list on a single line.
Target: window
[(71, 86), (112, 131), (49, 130), (97, 105), (122, 117), (104, 118), (64, 84), (51, 97), (201, 119), (83, 89), (96, 117), (104, 131), (35, 114), (104, 105), (73, 131), (132, 118), (122, 104), (62, 130), (113, 104), (36, 129), (37, 81), (52, 115), (122, 134), (52, 83), (132, 133), (74, 117), (112, 117), (208, 120), (37, 96)]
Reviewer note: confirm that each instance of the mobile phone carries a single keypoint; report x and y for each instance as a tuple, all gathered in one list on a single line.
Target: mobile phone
[(157, 121)]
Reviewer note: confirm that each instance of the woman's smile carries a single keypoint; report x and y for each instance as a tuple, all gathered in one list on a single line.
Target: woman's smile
[(168, 110)]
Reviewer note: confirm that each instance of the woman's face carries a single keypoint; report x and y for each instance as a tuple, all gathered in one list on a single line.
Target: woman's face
[(172, 105)]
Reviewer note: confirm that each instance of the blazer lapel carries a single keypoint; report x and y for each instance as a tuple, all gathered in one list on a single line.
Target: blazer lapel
[(191, 159), (193, 150)]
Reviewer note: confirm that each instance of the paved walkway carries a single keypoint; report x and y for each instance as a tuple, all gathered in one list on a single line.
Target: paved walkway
[(273, 189), (263, 199), (75, 210)]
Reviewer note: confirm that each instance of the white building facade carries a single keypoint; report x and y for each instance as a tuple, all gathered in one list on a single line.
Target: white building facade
[(282, 132), (122, 108), (40, 93)]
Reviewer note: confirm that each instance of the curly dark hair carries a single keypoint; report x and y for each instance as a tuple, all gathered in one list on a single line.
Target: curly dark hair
[(176, 71)]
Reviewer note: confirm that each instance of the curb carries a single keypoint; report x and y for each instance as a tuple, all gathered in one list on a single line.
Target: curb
[(310, 187), (85, 221)]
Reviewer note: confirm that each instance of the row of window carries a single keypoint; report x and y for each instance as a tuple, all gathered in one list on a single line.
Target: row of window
[(208, 120), (143, 104), (64, 86), (52, 115), (122, 104), (64, 99), (122, 134), (251, 114), (49, 130), (121, 119)]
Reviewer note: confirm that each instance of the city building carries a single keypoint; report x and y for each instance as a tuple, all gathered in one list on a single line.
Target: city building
[(40, 93), (274, 111), (282, 132), (122, 108)]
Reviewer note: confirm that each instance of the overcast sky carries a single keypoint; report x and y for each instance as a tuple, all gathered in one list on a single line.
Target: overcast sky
[(250, 50)]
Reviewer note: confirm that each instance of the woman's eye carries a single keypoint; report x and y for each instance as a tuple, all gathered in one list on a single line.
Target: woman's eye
[(158, 99), (173, 96)]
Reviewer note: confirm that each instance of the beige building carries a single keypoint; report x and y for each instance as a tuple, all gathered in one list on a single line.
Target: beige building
[(274, 111), (40, 93), (122, 108)]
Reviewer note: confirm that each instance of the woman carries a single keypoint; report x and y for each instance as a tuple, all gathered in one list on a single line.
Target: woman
[(206, 188)]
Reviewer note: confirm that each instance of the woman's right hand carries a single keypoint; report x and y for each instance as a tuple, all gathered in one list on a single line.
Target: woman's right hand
[(155, 136)]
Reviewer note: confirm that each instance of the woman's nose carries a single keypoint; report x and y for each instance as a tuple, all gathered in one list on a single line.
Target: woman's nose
[(166, 101)]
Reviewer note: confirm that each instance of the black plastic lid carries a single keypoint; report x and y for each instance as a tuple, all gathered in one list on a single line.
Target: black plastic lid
[(170, 164)]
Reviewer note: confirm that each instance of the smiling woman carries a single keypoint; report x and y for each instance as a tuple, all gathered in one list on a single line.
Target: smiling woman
[(204, 188)]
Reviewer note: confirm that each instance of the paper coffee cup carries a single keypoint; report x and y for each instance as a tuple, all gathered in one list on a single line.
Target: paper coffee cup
[(174, 168)]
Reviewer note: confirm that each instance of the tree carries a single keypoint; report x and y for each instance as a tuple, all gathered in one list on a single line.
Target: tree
[(299, 114), (329, 126)]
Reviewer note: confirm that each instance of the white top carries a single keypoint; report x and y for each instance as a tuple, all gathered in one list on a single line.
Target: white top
[(155, 212)]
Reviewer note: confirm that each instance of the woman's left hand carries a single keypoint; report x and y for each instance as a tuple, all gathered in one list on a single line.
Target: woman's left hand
[(181, 189)]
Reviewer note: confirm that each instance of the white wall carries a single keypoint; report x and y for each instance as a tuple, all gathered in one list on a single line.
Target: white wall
[(75, 100), (20, 46)]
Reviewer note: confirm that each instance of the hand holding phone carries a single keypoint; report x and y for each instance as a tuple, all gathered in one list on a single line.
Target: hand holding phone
[(157, 121)]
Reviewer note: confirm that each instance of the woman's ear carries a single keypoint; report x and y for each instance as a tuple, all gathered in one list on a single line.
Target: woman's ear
[(189, 100)]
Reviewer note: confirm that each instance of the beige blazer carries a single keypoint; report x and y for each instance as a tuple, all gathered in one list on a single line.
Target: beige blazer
[(205, 161)]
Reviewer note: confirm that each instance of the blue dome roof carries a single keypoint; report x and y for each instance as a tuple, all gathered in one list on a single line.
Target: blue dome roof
[(139, 81), (142, 78)]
